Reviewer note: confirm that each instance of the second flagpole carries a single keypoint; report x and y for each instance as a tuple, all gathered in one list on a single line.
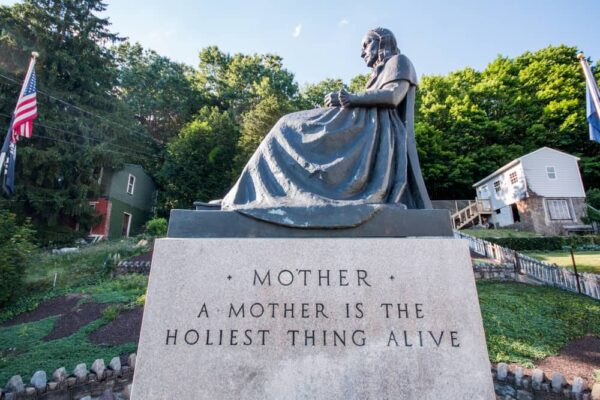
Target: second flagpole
[(591, 83)]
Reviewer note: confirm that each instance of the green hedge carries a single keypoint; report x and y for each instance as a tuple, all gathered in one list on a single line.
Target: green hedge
[(156, 227), (546, 243), (15, 247)]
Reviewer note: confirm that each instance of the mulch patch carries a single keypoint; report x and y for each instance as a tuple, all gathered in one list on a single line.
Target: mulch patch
[(56, 306), (72, 316), (71, 322), (124, 329), (579, 357)]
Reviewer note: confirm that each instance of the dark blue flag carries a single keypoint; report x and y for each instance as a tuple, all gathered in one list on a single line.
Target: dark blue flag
[(9, 153), (593, 115)]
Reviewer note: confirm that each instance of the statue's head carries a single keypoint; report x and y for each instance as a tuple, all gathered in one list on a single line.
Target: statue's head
[(378, 45)]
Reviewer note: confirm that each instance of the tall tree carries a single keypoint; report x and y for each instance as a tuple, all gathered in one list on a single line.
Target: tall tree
[(198, 161), (161, 93), (256, 89), (81, 124), (313, 95), (238, 82), (358, 83)]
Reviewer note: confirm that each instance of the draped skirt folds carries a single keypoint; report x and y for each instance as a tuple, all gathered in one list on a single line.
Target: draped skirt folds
[(325, 157)]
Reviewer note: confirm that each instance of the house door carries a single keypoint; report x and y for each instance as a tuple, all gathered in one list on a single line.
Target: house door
[(126, 224), (515, 213)]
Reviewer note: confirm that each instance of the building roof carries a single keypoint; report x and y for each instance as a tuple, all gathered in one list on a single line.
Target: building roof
[(517, 161)]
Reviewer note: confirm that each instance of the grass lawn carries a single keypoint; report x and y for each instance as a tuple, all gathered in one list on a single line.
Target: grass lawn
[(498, 233), (84, 267), (586, 261), (524, 323), (22, 351)]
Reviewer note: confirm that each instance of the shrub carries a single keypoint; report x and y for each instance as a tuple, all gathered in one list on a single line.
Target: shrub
[(111, 312), (546, 243), (156, 227), (593, 215), (16, 244), (593, 197)]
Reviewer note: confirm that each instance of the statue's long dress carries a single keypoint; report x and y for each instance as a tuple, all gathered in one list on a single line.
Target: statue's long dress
[(334, 167)]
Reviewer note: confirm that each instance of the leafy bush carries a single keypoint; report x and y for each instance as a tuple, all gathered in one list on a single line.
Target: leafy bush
[(16, 244), (593, 215), (123, 289), (111, 312), (156, 227), (593, 197), (546, 243)]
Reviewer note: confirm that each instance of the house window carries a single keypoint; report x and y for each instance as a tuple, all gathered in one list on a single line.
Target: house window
[(483, 192), (131, 184), (513, 177), (497, 187), (558, 209), (551, 172)]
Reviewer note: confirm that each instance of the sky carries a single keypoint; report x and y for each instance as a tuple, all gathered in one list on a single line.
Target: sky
[(321, 39)]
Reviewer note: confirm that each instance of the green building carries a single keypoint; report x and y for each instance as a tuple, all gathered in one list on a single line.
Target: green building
[(128, 199)]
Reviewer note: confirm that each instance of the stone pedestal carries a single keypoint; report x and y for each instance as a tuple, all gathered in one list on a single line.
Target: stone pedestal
[(312, 318)]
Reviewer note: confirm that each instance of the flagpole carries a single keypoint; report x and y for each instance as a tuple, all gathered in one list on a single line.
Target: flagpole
[(589, 77), (34, 56)]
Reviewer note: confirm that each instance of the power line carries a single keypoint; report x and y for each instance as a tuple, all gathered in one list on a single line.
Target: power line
[(76, 144), (87, 137), (71, 143), (17, 82)]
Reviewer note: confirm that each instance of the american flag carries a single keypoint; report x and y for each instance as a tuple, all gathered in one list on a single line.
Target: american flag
[(26, 110)]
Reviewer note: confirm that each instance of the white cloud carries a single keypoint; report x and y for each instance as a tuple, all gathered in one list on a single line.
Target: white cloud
[(343, 23), (297, 30)]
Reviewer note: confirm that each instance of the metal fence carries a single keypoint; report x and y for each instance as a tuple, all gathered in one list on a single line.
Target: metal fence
[(549, 274)]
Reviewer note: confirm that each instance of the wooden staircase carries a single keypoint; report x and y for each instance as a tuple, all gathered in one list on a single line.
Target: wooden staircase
[(471, 213)]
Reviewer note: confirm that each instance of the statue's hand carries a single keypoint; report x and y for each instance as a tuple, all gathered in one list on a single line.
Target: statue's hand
[(332, 100), (346, 98)]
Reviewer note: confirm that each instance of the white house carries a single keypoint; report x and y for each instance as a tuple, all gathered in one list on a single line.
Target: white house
[(541, 191)]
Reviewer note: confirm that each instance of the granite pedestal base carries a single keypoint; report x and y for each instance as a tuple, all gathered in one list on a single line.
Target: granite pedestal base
[(312, 318)]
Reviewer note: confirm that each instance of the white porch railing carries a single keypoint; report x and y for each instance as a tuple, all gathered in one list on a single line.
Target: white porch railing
[(474, 210)]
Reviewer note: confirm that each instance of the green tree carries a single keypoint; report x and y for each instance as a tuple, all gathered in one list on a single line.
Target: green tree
[(358, 83), (238, 82), (313, 95), (255, 89), (161, 93), (81, 125), (198, 162)]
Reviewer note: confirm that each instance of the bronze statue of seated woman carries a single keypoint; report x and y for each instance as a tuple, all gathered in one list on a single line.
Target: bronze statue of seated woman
[(335, 166)]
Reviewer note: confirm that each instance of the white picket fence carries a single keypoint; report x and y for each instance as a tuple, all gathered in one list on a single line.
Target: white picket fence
[(549, 274)]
